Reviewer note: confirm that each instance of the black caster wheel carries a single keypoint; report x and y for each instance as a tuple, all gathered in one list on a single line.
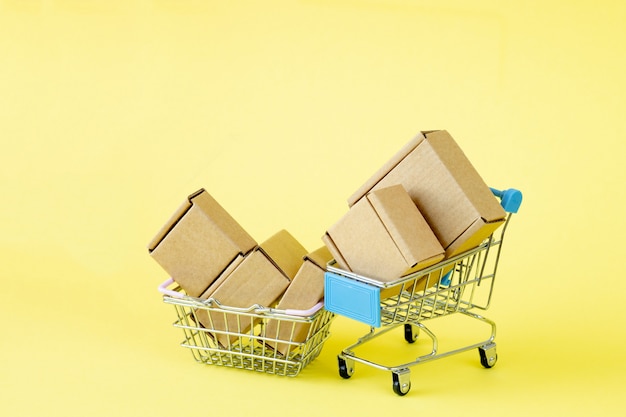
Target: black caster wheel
[(346, 367), (401, 382), (410, 333), (488, 355)]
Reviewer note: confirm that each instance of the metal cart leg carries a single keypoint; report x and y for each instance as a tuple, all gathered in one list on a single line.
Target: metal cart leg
[(401, 381), (346, 366), (488, 355)]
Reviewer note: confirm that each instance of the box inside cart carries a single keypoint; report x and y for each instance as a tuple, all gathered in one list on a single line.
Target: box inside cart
[(198, 242), (447, 189), (305, 290), (383, 236), (261, 277)]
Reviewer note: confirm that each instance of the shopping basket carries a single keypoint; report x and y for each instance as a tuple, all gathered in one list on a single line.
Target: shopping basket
[(461, 284), (257, 338)]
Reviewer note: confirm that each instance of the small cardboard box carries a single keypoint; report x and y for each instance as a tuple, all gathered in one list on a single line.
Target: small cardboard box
[(416, 285), (223, 276), (383, 236), (449, 192), (260, 278), (198, 242), (305, 290), (285, 251)]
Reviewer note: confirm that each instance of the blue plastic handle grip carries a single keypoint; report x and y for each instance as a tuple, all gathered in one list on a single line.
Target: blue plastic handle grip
[(510, 199)]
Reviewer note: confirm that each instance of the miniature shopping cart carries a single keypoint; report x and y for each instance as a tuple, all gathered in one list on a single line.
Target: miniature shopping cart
[(461, 284), (257, 338)]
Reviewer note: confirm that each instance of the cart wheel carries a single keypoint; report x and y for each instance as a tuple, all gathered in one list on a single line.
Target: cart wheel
[(346, 367), (401, 382), (410, 333), (488, 355)]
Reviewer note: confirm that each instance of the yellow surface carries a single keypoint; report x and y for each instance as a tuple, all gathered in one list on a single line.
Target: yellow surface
[(111, 112)]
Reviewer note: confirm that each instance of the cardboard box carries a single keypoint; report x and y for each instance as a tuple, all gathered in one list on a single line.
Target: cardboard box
[(223, 276), (447, 189), (383, 236), (198, 242), (285, 251), (416, 285), (215, 285), (304, 292), (260, 278)]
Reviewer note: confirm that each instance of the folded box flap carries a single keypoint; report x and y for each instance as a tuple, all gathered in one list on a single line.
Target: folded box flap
[(473, 236), (167, 227), (223, 276), (336, 253), (320, 257), (228, 224), (405, 224), (383, 170), (255, 280), (466, 176), (285, 252)]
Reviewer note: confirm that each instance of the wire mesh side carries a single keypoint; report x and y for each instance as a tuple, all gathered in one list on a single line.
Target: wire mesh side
[(265, 342), (464, 283)]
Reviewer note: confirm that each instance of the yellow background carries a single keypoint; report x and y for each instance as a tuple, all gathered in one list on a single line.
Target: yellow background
[(112, 112)]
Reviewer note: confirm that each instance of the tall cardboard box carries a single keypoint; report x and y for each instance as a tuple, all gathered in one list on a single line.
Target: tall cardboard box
[(198, 242), (447, 189), (304, 292), (260, 278), (383, 236)]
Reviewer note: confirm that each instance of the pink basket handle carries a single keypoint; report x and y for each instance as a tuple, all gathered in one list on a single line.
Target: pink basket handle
[(163, 289), (306, 313)]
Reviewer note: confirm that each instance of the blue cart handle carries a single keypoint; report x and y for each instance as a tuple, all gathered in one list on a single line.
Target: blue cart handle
[(510, 199)]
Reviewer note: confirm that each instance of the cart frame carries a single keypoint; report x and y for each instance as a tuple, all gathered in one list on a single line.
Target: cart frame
[(243, 340), (457, 285)]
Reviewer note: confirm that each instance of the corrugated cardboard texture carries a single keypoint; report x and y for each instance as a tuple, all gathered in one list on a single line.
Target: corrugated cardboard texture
[(473, 236), (165, 229), (468, 179), (305, 290), (419, 284), (362, 241), (341, 263), (444, 185), (223, 276), (384, 170), (406, 226), (255, 281), (365, 237), (226, 222), (285, 251), (197, 246), (320, 257)]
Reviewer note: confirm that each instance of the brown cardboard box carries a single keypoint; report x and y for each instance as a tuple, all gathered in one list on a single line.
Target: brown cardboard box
[(415, 285), (285, 251), (260, 278), (198, 242), (383, 236), (214, 286), (223, 276), (305, 290), (449, 192)]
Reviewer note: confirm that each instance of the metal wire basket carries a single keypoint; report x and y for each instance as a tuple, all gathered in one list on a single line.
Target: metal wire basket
[(257, 338)]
